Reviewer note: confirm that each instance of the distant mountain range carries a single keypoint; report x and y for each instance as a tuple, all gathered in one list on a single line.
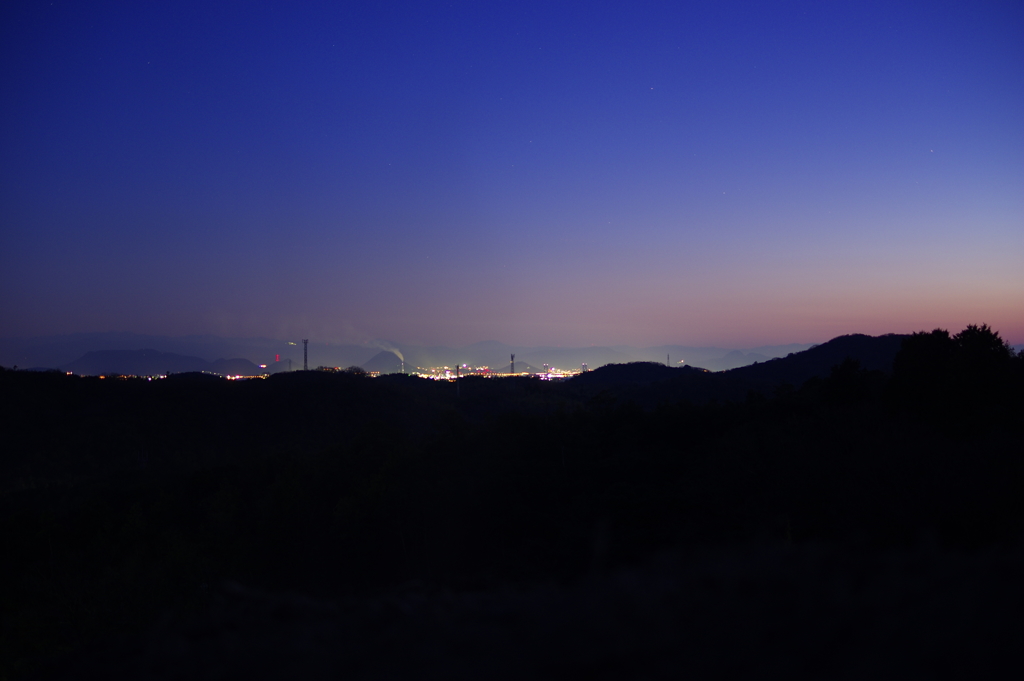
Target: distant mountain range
[(644, 382), (60, 352), (153, 362), (66, 351), (133, 353)]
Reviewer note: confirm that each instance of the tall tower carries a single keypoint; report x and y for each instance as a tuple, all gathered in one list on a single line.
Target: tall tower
[(513, 369), (305, 354)]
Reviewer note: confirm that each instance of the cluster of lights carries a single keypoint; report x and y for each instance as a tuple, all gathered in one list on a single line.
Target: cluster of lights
[(124, 377), (443, 373), (447, 373)]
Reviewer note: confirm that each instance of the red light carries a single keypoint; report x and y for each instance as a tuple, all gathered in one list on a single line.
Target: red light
[(277, 358)]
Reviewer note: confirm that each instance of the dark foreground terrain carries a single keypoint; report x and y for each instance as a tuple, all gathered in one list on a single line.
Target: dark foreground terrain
[(854, 511)]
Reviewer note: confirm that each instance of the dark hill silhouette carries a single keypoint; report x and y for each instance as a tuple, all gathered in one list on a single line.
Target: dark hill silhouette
[(650, 383), (523, 519), (633, 373), (149, 362), (875, 353)]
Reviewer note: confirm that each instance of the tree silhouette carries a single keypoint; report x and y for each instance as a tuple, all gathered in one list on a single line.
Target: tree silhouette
[(921, 367), (955, 378), (983, 367), (979, 348), (923, 353)]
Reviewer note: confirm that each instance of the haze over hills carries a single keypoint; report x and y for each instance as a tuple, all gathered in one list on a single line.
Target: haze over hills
[(387, 362), (66, 352), (646, 382), (82, 353), (152, 362), (60, 351)]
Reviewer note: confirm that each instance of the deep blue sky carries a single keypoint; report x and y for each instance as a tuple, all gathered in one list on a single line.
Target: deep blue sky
[(537, 173)]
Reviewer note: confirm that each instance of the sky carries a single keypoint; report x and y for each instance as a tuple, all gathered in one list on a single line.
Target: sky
[(538, 173)]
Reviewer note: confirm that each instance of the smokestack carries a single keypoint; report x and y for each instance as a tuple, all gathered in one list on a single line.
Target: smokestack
[(305, 354)]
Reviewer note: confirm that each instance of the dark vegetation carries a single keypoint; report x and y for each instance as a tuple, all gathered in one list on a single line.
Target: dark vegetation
[(125, 501)]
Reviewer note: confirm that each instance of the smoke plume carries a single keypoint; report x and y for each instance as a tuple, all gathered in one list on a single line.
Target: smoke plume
[(384, 345)]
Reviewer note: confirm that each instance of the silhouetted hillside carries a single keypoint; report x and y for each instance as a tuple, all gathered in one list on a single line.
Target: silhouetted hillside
[(444, 508), (648, 384), (633, 373), (874, 353)]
